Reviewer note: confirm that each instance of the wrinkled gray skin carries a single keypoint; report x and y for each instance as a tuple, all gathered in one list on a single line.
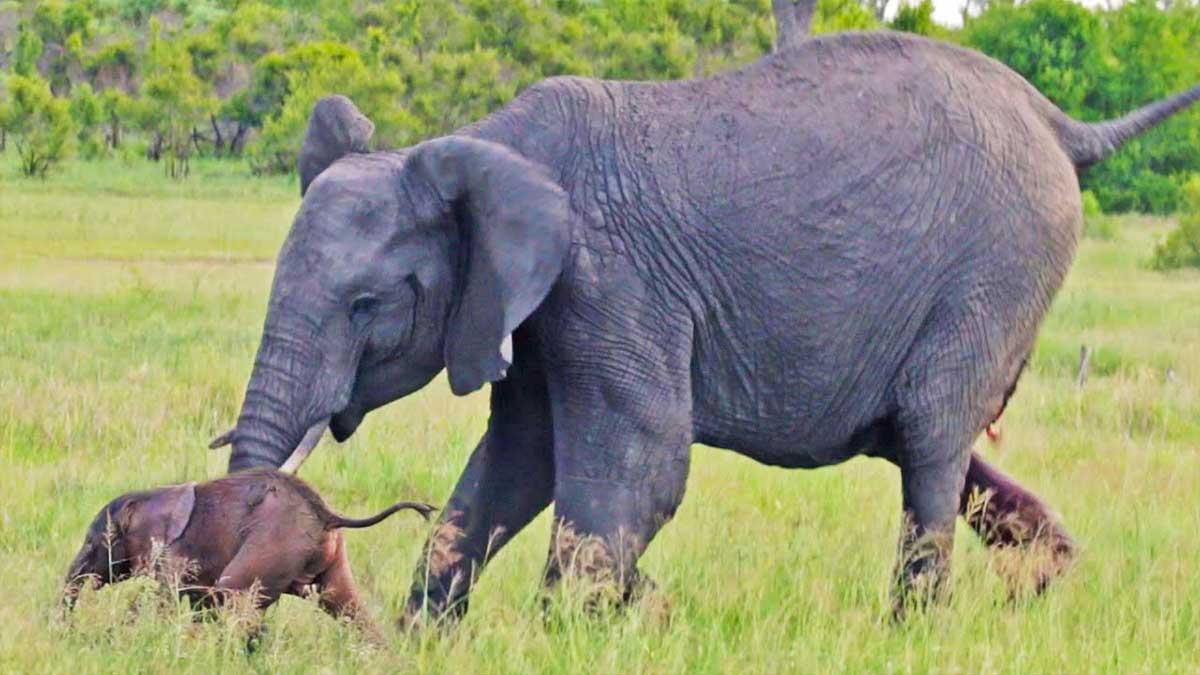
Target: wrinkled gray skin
[(845, 248)]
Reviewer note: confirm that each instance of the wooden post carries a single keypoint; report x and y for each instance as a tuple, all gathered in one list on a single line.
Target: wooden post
[(1085, 357)]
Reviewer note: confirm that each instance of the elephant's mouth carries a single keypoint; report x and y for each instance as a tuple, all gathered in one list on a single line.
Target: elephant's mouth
[(344, 423)]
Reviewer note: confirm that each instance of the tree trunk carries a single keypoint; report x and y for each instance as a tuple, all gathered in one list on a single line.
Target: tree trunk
[(218, 141), (237, 143), (793, 20), (877, 7)]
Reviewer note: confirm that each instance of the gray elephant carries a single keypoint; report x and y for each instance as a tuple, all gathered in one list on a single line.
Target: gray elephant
[(844, 248)]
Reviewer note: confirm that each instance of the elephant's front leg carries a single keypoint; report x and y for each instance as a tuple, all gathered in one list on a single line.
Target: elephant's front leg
[(622, 436), (508, 481)]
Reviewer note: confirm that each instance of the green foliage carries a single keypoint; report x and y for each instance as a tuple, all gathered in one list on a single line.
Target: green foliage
[(87, 111), (1097, 225), (27, 52), (1101, 65), (1058, 45), (1102, 228), (4, 114), (834, 16), (454, 89), (117, 108), (918, 18), (433, 66), (375, 91), (114, 65), (174, 101), (1181, 248), (1091, 205), (39, 124)]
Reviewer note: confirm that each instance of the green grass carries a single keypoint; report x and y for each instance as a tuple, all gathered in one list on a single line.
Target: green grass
[(129, 313)]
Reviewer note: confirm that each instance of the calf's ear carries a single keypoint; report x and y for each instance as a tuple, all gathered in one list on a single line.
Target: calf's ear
[(164, 514)]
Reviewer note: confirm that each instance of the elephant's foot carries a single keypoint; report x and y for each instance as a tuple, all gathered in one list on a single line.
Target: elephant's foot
[(923, 568), (589, 576), (442, 580), (931, 498)]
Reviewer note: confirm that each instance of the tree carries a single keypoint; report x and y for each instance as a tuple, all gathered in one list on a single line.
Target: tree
[(1154, 54), (877, 8), (87, 111), (4, 112), (26, 53), (40, 124), (841, 15), (117, 108), (1057, 45), (377, 92), (1181, 248), (174, 102), (918, 19), (113, 65)]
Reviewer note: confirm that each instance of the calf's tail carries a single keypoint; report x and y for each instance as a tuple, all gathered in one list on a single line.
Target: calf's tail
[(335, 521)]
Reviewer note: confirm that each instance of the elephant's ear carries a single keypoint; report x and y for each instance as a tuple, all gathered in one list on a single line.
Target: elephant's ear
[(514, 224), (164, 513), (335, 129)]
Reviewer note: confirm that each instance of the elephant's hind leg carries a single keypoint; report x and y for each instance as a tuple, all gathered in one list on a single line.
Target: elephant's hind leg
[(1007, 515), (944, 397)]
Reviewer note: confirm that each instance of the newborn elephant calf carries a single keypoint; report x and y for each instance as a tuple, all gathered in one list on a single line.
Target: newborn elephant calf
[(257, 528)]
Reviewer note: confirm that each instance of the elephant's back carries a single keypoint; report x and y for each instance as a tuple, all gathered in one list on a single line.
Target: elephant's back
[(838, 195), (854, 139)]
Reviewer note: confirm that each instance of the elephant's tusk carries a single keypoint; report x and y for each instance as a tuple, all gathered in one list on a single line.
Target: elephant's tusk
[(222, 440), (311, 438)]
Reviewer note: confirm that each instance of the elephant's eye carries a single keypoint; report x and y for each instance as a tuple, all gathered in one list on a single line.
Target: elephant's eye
[(363, 307)]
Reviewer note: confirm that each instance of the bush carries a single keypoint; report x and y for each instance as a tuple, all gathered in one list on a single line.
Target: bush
[(1182, 246), (1096, 225), (375, 92), (1091, 205), (39, 124), (88, 113)]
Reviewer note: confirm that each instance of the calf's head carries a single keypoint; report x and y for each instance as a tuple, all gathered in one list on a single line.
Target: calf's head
[(123, 535)]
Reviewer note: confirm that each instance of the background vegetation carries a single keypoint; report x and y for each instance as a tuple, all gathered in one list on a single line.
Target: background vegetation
[(174, 79), (130, 306)]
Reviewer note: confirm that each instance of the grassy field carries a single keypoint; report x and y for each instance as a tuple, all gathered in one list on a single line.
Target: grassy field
[(129, 313)]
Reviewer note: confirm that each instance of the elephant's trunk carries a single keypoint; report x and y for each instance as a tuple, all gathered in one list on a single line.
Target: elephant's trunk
[(278, 399), (79, 575)]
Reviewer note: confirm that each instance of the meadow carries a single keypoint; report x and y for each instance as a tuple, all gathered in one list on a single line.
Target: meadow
[(130, 307)]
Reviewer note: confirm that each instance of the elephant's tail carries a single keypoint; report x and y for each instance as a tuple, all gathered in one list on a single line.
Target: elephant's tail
[(1089, 144), (334, 521)]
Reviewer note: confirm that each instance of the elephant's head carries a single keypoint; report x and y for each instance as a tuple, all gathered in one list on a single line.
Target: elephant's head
[(398, 264), (124, 533)]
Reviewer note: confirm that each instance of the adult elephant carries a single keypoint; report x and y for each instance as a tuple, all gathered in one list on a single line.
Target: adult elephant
[(845, 248)]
